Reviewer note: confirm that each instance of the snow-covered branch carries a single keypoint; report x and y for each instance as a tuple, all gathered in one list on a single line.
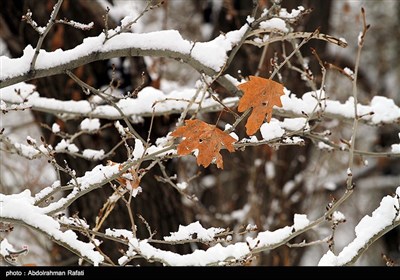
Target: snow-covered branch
[(20, 209), (385, 218), (207, 57), (101, 175), (381, 110), (215, 255), (218, 254)]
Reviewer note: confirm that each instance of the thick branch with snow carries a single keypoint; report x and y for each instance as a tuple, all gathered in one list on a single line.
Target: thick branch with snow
[(208, 57), (385, 218)]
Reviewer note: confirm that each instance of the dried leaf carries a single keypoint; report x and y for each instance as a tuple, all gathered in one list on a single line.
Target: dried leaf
[(207, 138), (261, 95), (129, 179)]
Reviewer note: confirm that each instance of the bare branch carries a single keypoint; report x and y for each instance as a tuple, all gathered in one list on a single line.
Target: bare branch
[(42, 35), (294, 35), (349, 183)]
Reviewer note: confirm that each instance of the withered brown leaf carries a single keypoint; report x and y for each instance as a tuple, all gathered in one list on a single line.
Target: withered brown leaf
[(261, 95), (206, 138)]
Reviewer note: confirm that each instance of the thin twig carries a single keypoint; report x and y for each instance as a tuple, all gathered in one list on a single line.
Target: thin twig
[(304, 41), (349, 182), (293, 35), (99, 93), (347, 149), (307, 244), (127, 26), (43, 35)]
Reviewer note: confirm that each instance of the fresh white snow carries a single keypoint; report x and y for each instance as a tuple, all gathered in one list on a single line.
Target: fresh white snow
[(93, 154), (20, 207), (271, 130), (384, 109), (322, 146), (90, 124), (338, 216), (366, 229), (194, 230), (182, 185), (274, 24), (216, 254), (396, 147), (55, 128), (212, 54), (138, 152), (120, 128), (294, 124), (6, 248), (64, 145)]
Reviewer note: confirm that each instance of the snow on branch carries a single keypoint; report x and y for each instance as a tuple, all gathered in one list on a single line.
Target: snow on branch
[(77, 25), (215, 255), (101, 175), (30, 151), (385, 218), (381, 110), (14, 107), (206, 57), (142, 106), (20, 208), (187, 232), (97, 177), (396, 147)]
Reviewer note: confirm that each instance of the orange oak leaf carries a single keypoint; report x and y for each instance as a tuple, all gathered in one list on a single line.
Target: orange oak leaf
[(261, 95), (206, 138)]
